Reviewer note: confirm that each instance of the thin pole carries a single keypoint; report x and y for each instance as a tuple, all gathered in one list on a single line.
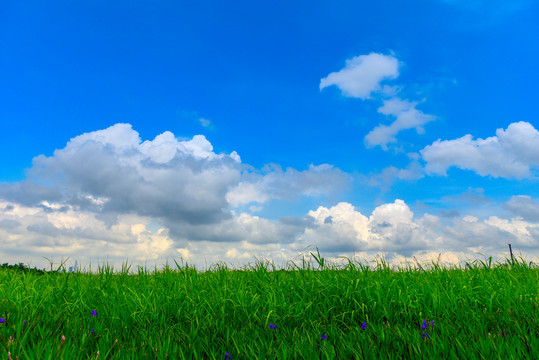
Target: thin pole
[(511, 251)]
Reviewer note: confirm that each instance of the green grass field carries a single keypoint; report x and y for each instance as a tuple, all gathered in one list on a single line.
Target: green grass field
[(482, 312)]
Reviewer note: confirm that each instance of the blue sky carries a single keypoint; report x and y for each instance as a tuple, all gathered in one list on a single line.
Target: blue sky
[(230, 132)]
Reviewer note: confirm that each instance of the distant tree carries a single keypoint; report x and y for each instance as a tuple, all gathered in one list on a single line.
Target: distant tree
[(22, 268)]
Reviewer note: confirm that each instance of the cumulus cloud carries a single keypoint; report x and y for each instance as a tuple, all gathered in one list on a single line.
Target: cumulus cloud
[(112, 172), (179, 181), (392, 229), (274, 183), (510, 154), (407, 117), (363, 75)]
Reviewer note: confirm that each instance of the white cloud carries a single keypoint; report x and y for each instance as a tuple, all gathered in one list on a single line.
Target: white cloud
[(110, 172), (392, 230), (393, 214), (363, 75), (510, 154), (407, 117), (177, 181), (246, 193), (320, 180), (470, 219)]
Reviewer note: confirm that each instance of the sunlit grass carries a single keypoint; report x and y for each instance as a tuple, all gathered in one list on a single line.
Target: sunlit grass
[(484, 312)]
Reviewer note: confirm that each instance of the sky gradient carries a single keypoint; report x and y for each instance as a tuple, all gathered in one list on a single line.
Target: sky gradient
[(241, 131)]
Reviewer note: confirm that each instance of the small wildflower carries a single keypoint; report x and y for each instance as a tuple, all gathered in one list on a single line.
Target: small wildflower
[(323, 336), (228, 356), (1, 320), (93, 313), (364, 325), (424, 327)]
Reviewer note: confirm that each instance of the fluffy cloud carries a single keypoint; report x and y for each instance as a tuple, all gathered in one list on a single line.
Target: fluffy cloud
[(407, 117), (363, 75), (392, 230), (111, 172), (510, 154), (178, 181), (275, 183)]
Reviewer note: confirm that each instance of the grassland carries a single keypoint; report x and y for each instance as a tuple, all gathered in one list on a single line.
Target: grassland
[(359, 312)]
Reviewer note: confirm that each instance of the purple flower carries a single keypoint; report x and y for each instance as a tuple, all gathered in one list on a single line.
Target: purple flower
[(364, 325)]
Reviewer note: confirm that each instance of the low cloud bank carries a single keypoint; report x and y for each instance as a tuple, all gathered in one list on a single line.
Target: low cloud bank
[(31, 233)]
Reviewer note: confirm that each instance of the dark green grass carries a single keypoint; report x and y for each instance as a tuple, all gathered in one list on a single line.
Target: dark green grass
[(483, 312)]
